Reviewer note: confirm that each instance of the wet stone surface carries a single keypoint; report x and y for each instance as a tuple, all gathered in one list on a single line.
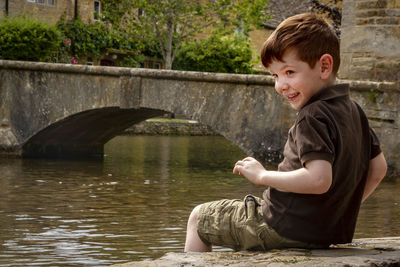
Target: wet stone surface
[(362, 252)]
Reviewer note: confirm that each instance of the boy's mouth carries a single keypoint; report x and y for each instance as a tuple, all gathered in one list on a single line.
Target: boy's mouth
[(292, 97)]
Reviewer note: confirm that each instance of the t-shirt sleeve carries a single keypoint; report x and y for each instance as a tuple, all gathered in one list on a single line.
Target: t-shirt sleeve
[(314, 140), (375, 145)]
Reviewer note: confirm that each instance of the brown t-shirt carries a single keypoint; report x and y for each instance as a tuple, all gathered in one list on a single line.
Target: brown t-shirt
[(334, 128)]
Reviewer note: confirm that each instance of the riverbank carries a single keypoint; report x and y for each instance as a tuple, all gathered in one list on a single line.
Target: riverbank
[(362, 252), (162, 126)]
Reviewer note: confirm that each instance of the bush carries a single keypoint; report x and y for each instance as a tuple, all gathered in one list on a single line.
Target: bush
[(132, 60), (230, 54), (22, 38), (92, 39)]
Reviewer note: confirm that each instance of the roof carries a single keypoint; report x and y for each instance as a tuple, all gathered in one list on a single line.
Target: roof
[(282, 9)]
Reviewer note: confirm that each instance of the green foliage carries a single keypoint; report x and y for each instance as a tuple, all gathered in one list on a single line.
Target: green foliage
[(133, 60), (373, 95), (170, 23), (22, 38), (92, 39), (240, 14), (95, 40), (114, 10), (228, 54)]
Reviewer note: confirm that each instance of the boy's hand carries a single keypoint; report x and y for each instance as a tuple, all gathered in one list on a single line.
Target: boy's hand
[(251, 169)]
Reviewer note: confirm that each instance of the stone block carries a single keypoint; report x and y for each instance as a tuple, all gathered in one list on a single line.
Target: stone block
[(357, 39), (371, 4), (387, 69), (365, 21), (362, 73), (394, 4), (382, 40), (365, 62), (395, 12), (388, 21), (348, 11), (345, 65)]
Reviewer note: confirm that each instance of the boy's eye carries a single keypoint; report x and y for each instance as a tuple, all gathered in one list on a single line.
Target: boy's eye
[(289, 72)]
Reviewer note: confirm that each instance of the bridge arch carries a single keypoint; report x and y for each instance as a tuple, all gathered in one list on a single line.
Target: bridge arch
[(83, 134)]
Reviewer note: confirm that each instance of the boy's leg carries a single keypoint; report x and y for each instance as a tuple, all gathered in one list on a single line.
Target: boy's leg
[(233, 223), (193, 241)]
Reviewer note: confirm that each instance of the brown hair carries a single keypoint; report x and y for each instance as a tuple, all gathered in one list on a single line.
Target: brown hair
[(309, 35)]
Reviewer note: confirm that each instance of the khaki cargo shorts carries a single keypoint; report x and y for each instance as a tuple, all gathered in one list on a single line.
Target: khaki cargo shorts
[(239, 224)]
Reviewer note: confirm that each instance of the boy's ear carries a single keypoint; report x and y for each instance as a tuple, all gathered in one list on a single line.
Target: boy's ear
[(326, 65)]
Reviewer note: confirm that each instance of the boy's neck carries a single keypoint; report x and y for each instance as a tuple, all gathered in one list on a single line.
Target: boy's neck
[(330, 82)]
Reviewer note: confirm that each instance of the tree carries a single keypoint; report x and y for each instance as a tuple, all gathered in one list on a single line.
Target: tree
[(169, 23)]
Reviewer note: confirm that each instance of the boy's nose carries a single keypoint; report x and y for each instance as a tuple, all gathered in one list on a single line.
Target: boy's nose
[(281, 85)]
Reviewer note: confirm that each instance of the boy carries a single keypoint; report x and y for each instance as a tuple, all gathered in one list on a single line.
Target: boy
[(332, 159)]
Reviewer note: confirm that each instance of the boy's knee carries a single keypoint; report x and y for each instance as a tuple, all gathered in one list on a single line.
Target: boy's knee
[(194, 214)]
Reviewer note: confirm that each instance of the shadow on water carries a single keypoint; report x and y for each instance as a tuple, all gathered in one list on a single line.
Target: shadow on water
[(133, 205)]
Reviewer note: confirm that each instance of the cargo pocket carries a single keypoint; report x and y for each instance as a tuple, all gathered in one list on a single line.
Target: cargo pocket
[(252, 228)]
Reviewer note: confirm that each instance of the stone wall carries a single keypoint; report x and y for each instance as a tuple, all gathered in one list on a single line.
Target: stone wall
[(47, 12), (370, 40), (2, 7)]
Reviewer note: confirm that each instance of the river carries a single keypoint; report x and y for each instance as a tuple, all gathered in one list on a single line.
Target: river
[(134, 204)]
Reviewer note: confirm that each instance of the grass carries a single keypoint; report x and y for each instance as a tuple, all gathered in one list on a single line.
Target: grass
[(167, 120)]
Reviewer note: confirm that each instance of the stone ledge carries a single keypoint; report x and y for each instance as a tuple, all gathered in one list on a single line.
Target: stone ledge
[(170, 128), (362, 252)]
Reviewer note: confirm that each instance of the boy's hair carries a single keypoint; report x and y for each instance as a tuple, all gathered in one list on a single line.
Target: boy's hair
[(309, 35)]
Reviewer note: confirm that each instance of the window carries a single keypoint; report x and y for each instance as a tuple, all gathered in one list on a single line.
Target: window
[(32, 1), (40, 1), (50, 2), (89, 61), (97, 10), (140, 12)]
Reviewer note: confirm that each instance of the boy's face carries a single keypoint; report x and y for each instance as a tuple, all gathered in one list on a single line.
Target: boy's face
[(295, 80)]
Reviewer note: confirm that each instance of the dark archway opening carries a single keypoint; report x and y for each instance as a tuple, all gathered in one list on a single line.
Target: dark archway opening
[(84, 134)]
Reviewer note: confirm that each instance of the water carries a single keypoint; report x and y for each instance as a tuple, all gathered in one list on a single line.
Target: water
[(133, 205)]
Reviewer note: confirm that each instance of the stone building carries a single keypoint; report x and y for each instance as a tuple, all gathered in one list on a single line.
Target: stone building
[(370, 45), (51, 10)]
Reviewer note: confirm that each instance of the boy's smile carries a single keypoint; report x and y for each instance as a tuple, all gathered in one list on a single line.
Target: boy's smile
[(296, 80)]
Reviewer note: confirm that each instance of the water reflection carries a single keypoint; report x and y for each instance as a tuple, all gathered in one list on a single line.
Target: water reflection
[(133, 205)]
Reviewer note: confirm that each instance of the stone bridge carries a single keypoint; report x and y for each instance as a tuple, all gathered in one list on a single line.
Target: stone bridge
[(57, 110)]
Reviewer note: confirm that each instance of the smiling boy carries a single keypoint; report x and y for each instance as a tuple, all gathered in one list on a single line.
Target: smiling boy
[(332, 158)]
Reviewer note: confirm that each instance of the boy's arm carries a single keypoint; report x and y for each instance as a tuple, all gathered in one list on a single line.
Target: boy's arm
[(376, 172), (314, 178)]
